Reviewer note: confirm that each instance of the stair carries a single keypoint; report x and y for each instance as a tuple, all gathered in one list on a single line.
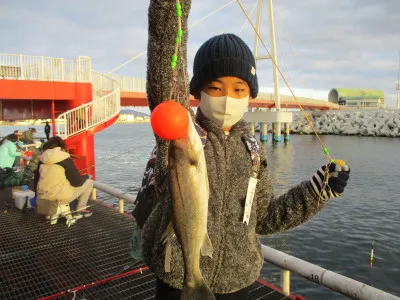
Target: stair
[(105, 105)]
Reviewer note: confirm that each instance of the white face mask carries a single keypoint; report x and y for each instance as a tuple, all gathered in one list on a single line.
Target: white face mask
[(224, 111)]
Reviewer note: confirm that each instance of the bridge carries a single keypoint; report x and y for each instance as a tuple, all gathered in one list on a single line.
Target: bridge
[(32, 80), (133, 93)]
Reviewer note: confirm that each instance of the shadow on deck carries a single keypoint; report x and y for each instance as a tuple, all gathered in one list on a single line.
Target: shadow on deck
[(39, 260)]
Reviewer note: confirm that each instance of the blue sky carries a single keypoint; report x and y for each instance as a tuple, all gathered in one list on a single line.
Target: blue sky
[(342, 43)]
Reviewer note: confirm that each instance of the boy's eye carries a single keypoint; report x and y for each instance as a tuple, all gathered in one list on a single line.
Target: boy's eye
[(239, 90), (214, 88)]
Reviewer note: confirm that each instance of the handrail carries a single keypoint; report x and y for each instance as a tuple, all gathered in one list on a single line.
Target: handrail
[(42, 68), (138, 84), (334, 281), (104, 106)]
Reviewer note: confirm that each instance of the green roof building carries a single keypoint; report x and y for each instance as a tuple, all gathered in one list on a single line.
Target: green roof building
[(357, 98)]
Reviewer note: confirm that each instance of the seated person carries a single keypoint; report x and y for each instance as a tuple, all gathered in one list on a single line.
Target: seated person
[(59, 180), (9, 153)]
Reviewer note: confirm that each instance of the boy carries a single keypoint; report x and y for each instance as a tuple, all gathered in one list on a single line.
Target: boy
[(224, 80)]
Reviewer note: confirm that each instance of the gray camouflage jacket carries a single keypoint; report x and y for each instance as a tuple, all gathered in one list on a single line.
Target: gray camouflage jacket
[(237, 256)]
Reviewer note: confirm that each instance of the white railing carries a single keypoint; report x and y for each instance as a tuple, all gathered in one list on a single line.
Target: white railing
[(138, 84), (27, 67), (334, 281), (130, 83), (104, 106)]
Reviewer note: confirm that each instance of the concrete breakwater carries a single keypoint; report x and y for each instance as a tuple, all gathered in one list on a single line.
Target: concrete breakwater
[(361, 123)]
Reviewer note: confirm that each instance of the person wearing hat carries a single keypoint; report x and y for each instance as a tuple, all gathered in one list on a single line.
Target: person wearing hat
[(224, 80)]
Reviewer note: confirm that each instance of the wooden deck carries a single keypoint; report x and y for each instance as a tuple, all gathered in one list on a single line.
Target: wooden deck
[(90, 259)]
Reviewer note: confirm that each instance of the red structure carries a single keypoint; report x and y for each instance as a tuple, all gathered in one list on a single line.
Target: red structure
[(31, 99), (140, 99), (80, 101)]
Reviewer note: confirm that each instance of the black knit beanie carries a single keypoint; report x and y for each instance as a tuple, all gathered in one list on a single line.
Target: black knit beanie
[(224, 55)]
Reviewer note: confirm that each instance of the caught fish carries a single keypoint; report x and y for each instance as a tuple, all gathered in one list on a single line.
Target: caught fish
[(188, 184)]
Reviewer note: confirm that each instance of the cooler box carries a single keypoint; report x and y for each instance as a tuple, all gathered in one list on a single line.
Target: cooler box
[(22, 197)]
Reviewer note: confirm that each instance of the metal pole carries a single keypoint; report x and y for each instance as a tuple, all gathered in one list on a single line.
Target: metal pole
[(53, 119), (255, 51), (114, 192), (398, 85), (336, 282), (274, 68), (258, 24)]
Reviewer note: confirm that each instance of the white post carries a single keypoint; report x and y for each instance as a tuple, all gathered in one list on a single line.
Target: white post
[(41, 68), (62, 69), (121, 206), (285, 282), (21, 66), (274, 69), (94, 194), (264, 132), (78, 70), (287, 131), (398, 86), (258, 24), (90, 69), (255, 51), (87, 117), (253, 128)]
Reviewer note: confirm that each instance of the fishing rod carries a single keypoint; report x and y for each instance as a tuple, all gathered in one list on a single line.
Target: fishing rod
[(325, 149), (101, 281)]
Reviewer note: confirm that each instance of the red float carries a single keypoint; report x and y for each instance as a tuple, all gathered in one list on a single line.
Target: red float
[(170, 120)]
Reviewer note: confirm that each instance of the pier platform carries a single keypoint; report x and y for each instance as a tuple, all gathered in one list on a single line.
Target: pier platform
[(89, 260)]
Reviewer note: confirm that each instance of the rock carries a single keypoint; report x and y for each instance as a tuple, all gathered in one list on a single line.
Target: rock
[(364, 123)]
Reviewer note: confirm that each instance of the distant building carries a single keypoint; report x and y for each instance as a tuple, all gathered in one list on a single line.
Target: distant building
[(357, 98)]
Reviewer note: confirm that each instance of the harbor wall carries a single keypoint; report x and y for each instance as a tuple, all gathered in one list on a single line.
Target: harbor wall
[(360, 123)]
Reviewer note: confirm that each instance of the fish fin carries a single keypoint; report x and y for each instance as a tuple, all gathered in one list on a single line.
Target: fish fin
[(200, 291), (206, 248), (169, 234)]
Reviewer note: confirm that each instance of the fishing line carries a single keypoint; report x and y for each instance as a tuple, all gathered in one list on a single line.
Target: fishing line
[(325, 150), (190, 26)]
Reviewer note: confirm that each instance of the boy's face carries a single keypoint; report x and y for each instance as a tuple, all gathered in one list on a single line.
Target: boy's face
[(230, 86)]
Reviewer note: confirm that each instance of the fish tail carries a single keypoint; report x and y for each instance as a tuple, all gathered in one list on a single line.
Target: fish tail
[(198, 292)]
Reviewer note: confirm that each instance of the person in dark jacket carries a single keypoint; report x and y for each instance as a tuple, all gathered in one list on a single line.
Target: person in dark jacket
[(59, 180), (224, 79), (47, 130)]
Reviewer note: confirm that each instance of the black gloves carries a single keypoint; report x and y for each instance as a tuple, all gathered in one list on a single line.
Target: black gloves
[(330, 183)]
